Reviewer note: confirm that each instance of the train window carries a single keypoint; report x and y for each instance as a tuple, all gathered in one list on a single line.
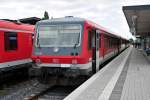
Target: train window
[(105, 42), (11, 41), (89, 40), (111, 42), (67, 35), (99, 41), (108, 42)]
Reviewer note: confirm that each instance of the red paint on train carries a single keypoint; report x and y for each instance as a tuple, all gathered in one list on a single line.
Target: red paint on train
[(16, 42)]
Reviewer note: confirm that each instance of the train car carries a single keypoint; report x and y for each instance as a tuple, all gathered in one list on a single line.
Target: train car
[(16, 41), (72, 46)]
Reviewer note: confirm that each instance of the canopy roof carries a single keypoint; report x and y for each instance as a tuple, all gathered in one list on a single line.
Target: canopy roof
[(138, 19)]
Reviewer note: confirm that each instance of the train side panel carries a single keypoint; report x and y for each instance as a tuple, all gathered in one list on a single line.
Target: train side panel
[(23, 50), (16, 44)]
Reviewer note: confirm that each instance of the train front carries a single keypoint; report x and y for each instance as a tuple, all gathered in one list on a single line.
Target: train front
[(58, 47)]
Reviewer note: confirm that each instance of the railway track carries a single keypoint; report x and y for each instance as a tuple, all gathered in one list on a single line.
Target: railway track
[(53, 93), (33, 90), (22, 90)]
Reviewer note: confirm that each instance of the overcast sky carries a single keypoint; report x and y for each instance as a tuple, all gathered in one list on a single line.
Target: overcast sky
[(107, 13)]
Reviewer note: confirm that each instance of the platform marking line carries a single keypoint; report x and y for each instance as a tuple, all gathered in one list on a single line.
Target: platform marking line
[(116, 95), (110, 86)]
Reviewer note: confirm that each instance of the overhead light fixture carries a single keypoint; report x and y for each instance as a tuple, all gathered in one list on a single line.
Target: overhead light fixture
[(134, 18)]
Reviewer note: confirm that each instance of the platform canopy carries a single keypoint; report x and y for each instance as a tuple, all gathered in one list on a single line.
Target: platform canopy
[(138, 19)]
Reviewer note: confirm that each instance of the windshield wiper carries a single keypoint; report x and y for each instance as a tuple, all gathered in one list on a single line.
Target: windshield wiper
[(77, 42), (38, 42), (75, 45)]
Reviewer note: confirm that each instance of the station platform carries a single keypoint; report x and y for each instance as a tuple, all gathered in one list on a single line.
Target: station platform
[(127, 77)]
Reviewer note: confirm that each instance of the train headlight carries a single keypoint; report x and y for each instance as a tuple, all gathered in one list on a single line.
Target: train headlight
[(38, 61), (90, 59), (74, 61)]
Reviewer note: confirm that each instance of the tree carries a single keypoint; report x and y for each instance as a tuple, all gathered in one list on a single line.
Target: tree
[(46, 16)]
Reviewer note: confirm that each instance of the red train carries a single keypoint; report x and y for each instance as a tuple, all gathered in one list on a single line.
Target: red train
[(73, 46), (16, 45)]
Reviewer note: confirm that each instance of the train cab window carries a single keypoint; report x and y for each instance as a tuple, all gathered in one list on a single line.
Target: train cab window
[(11, 41), (89, 40)]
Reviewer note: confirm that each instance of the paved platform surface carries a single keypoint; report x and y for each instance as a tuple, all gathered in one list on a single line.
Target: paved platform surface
[(137, 83), (127, 77)]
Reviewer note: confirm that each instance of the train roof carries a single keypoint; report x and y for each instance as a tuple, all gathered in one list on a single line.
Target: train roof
[(13, 26), (107, 31), (63, 19), (70, 19)]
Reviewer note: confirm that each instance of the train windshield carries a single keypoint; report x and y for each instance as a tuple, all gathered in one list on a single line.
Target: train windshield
[(58, 35)]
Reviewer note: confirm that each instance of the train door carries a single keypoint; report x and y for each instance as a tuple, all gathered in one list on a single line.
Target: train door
[(95, 50)]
